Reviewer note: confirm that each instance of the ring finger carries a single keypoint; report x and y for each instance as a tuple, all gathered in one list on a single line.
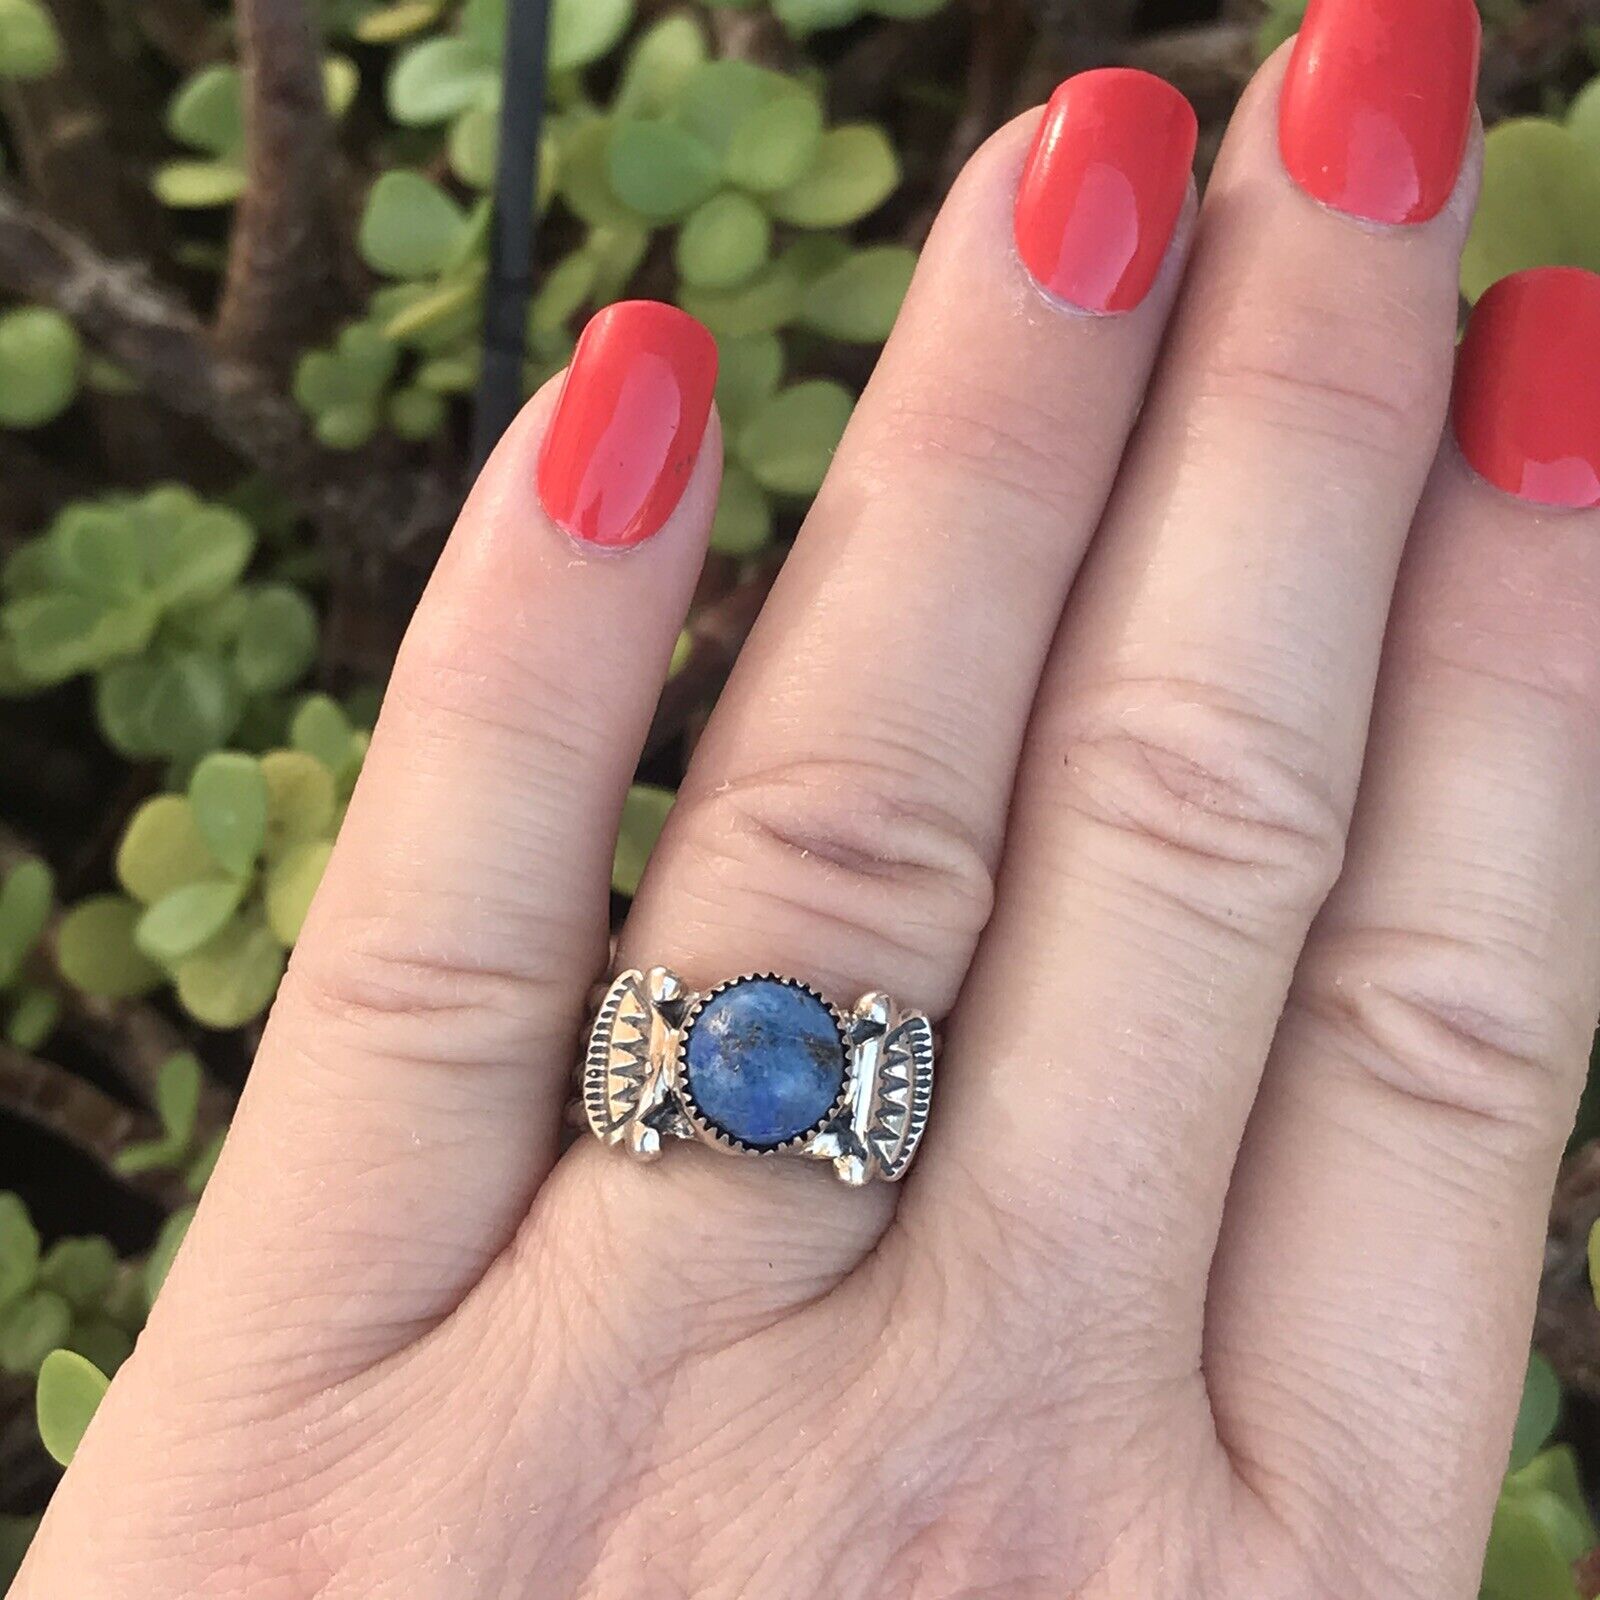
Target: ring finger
[(845, 808)]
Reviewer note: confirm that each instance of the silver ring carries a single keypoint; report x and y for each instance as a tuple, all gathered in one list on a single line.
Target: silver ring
[(761, 1065)]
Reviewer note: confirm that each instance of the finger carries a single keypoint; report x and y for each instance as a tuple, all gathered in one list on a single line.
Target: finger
[(845, 808), (410, 1087), (1182, 801), (1372, 1300)]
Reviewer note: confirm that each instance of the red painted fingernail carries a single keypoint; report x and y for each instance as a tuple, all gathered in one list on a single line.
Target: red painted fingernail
[(1103, 186), (1527, 398), (628, 426), (1377, 104)]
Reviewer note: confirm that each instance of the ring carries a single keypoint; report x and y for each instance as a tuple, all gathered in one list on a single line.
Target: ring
[(761, 1065)]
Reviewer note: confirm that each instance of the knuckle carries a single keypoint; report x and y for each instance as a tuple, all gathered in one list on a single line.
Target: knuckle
[(1472, 1026), (392, 987), (1329, 376), (1206, 801), (993, 449), (849, 846)]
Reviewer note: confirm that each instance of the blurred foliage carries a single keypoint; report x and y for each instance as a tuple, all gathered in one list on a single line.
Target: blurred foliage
[(146, 594), (690, 152), (216, 880)]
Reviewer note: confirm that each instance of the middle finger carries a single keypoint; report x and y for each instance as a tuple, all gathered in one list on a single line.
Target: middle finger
[(1182, 803)]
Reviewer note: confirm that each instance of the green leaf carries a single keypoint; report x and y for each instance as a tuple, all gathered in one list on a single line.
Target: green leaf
[(582, 31), (416, 413), (35, 1011), (769, 301), (411, 227), (204, 1164), (232, 980), (436, 79), (179, 923), (300, 798), (197, 554), (97, 551), (25, 901), (207, 112), (1583, 116), (357, 367), (1528, 1556), (199, 185), (1536, 1417), (643, 813), (854, 172), (585, 182), (748, 373), (81, 1271), (1539, 205), (291, 882), (474, 139), (30, 1328), (659, 65), (277, 640), (96, 952), (723, 242), (347, 427), (70, 1391), (788, 444), (390, 23), (180, 706), (743, 524), (229, 796), (19, 1249), (859, 299), (39, 363), (764, 128), (320, 728), (162, 849), (178, 1088), (658, 169), (56, 636), (168, 1242), (30, 46), (101, 1342)]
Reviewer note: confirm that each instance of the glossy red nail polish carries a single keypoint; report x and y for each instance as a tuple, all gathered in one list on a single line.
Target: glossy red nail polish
[(1103, 186), (628, 426), (1527, 399), (1377, 104)]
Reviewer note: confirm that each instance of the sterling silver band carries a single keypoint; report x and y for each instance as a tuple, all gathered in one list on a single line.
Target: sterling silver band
[(761, 1065)]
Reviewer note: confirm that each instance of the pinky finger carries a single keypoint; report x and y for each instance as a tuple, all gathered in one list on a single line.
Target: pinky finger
[(1372, 1300)]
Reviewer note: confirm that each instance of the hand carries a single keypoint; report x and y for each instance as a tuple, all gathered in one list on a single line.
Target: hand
[(1257, 895)]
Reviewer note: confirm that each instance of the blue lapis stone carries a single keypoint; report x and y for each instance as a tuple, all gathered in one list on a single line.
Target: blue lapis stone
[(764, 1061)]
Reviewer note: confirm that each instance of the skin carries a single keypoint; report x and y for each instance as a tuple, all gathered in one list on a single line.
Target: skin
[(1224, 771)]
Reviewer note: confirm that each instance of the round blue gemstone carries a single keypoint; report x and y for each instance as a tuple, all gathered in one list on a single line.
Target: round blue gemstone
[(764, 1061)]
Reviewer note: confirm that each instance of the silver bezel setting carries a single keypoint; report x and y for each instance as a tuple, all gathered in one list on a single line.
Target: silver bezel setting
[(710, 1131)]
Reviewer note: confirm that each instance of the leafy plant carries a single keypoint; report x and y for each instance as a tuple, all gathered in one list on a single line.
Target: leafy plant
[(812, 16), (1540, 202), (144, 594), (75, 1295), (30, 46), (216, 882), (41, 364), (29, 1005), (207, 115), (1542, 1526)]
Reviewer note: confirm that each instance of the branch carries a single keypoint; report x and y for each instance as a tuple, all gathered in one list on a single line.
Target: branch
[(361, 502), (282, 286), (70, 1107), (1567, 1327)]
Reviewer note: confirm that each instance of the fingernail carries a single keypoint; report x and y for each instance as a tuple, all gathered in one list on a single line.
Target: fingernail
[(1103, 186), (1377, 104), (1527, 396), (628, 426)]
